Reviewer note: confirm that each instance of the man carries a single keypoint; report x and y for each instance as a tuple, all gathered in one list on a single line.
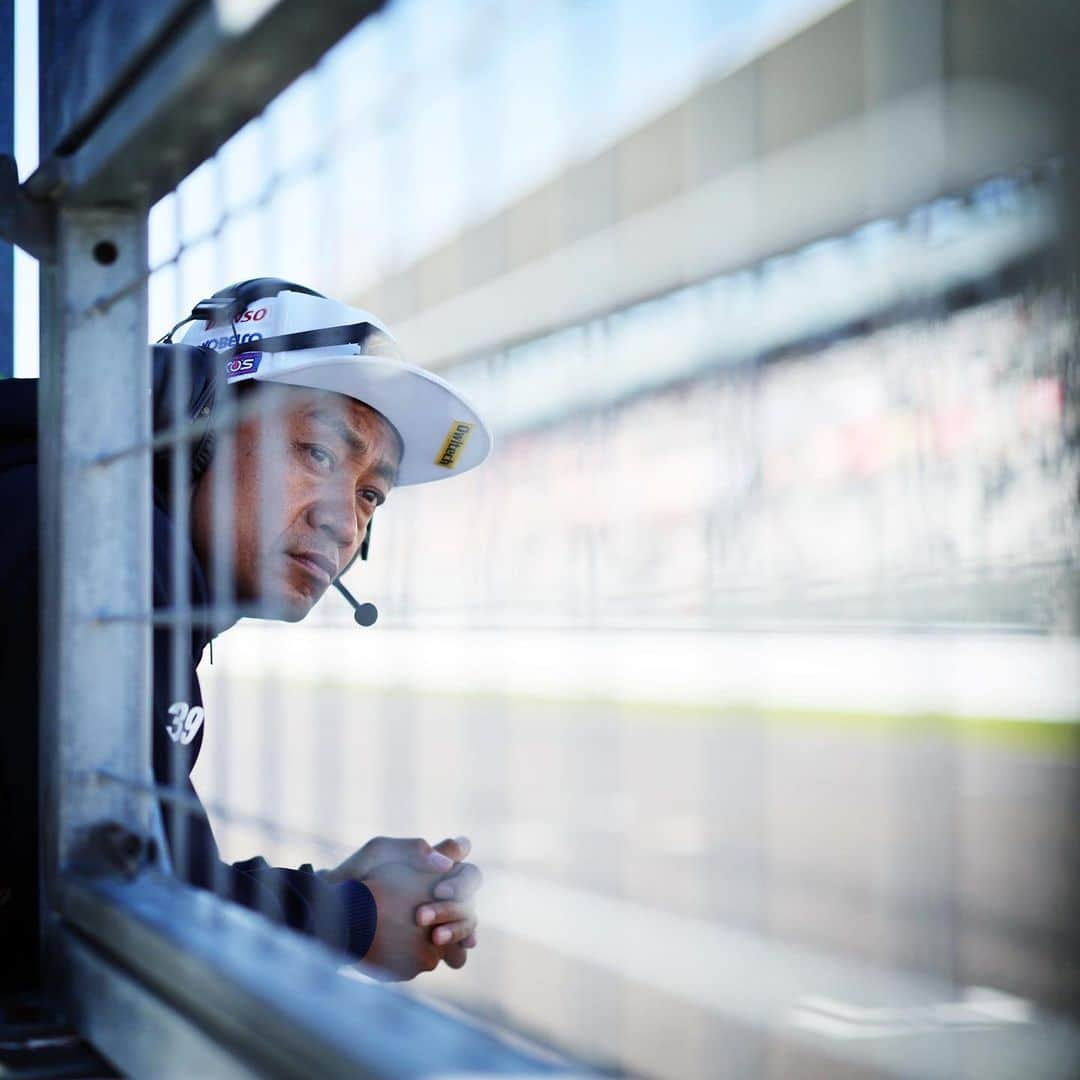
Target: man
[(300, 429)]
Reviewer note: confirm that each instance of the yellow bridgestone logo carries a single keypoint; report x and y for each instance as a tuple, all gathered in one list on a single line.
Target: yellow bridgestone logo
[(455, 442)]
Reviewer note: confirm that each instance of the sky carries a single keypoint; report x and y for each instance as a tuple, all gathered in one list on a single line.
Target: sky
[(26, 154), (447, 109)]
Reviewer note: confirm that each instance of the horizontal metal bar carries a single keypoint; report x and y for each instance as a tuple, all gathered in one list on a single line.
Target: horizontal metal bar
[(272, 997), (90, 52), (24, 221), (133, 1027), (160, 125), (219, 809), (187, 431), (194, 615), (225, 415)]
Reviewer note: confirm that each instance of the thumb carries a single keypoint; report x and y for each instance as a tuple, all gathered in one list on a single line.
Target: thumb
[(456, 849), (422, 856), (416, 853)]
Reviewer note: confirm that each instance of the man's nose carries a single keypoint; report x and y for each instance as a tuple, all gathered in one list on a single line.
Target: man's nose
[(336, 514)]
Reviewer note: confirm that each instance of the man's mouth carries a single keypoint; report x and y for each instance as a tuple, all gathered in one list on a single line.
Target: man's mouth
[(315, 565)]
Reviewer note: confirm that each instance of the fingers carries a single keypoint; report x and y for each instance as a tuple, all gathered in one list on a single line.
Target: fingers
[(422, 856), (457, 848), (455, 957), (454, 932), (435, 914), (457, 954), (417, 852), (461, 883)]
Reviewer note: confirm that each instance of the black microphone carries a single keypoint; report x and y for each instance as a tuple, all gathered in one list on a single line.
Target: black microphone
[(364, 614)]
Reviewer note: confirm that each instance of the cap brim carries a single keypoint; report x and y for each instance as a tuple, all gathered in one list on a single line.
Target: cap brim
[(442, 432)]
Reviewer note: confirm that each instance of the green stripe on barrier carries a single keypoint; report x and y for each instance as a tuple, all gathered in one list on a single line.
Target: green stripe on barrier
[(1060, 737)]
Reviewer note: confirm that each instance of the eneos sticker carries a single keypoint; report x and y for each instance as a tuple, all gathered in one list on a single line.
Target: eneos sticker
[(242, 364)]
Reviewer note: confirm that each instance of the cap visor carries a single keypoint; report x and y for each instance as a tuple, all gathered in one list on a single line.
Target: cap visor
[(442, 432)]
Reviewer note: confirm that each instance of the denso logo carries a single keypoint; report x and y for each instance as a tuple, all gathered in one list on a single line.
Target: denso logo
[(243, 364), (251, 315), (229, 340)]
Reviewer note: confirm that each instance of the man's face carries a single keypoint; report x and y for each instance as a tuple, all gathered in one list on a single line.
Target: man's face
[(309, 470)]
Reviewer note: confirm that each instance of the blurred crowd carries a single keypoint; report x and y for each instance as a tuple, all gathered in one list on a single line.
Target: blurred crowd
[(882, 427), (883, 474)]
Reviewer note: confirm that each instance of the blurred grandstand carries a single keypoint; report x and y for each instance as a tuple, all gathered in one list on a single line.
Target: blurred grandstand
[(807, 439), (784, 378)]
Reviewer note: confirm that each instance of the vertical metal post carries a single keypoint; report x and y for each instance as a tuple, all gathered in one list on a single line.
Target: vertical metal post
[(96, 534), (7, 146)]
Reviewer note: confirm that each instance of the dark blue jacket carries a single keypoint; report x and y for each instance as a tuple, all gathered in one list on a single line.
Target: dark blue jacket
[(341, 915)]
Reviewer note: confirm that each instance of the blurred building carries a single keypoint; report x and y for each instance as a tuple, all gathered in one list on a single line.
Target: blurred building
[(792, 349), (793, 352)]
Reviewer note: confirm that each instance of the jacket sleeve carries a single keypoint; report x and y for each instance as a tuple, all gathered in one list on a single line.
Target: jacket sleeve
[(343, 916)]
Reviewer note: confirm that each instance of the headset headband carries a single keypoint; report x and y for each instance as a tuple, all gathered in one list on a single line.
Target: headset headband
[(352, 334), (228, 304)]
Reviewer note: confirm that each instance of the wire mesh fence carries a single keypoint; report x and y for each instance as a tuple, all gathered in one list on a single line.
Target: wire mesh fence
[(747, 663)]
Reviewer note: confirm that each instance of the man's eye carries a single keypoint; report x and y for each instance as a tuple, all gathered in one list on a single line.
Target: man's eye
[(321, 456), (371, 496)]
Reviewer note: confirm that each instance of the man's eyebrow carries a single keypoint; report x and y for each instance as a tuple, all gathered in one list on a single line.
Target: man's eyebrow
[(343, 431), (355, 444), (387, 471)]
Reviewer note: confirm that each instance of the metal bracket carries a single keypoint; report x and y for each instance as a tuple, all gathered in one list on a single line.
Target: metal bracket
[(24, 221), (109, 848)]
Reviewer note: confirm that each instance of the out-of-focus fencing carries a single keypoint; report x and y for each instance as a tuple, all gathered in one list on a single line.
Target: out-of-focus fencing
[(160, 976), (749, 660)]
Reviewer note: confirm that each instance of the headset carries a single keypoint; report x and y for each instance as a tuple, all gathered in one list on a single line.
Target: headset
[(207, 385)]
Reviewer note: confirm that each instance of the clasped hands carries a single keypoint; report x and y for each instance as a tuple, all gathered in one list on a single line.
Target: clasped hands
[(424, 897)]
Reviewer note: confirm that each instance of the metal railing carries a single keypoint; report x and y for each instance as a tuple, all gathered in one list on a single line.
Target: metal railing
[(749, 655), (162, 978)]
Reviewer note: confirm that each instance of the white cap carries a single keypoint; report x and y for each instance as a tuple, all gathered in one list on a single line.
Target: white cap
[(442, 433)]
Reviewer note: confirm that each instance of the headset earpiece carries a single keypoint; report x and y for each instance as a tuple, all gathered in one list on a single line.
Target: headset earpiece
[(167, 362), (225, 306)]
